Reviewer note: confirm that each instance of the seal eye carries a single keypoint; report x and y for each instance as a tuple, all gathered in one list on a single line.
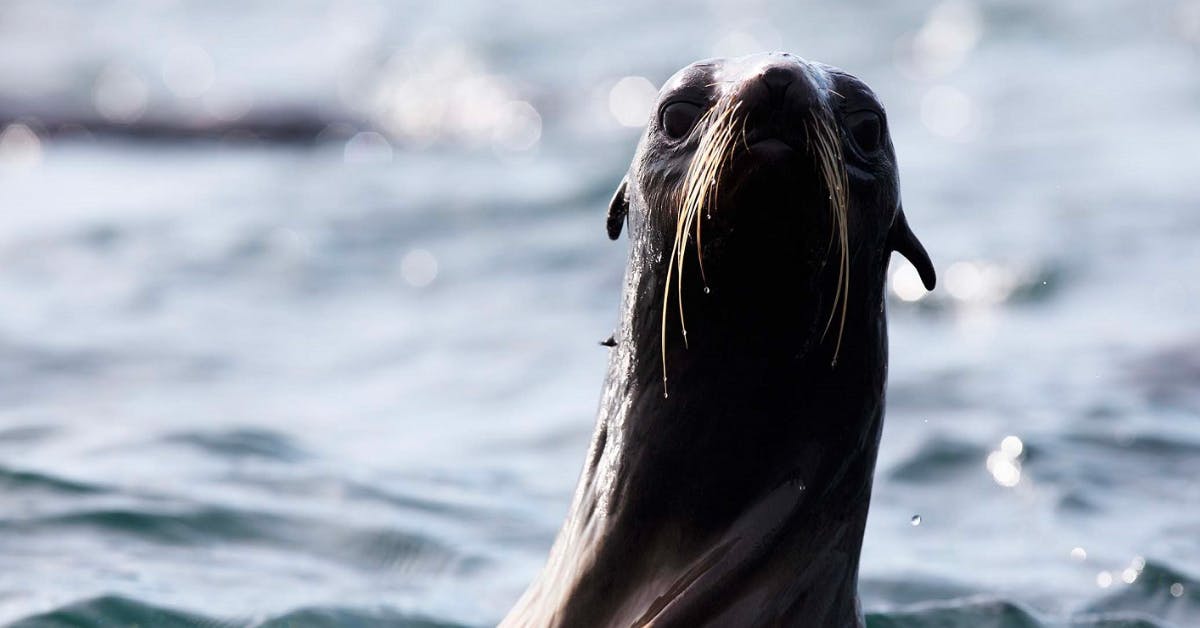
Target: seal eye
[(866, 128), (678, 118)]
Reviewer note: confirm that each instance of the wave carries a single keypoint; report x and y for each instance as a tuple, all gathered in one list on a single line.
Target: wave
[(937, 459), (993, 613), (14, 481), (114, 610), (368, 548), (242, 444)]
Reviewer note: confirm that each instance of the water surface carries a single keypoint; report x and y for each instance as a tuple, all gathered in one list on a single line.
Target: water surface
[(342, 371)]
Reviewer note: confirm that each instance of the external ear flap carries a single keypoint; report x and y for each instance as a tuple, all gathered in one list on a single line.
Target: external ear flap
[(618, 208), (901, 240)]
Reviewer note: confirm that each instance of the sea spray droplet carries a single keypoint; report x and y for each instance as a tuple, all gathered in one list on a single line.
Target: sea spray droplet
[(1177, 589), (916, 520)]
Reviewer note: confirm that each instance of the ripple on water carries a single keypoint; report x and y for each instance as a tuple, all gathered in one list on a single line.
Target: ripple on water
[(369, 548), (1157, 591), (1170, 378), (111, 610), (15, 482), (25, 434), (980, 612), (901, 592), (350, 618), (937, 459), (974, 612), (1116, 620), (241, 444)]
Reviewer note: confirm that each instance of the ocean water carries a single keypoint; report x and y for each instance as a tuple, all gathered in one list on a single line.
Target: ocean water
[(300, 302)]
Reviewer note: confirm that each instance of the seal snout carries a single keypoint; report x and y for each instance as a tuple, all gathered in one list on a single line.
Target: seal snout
[(778, 95)]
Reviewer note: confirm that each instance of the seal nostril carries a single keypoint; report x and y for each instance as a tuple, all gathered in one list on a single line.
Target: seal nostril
[(777, 78)]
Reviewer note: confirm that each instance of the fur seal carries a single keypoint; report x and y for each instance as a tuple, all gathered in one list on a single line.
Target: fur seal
[(729, 475)]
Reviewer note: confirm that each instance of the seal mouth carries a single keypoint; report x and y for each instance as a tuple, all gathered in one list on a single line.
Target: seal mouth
[(772, 149), (772, 137)]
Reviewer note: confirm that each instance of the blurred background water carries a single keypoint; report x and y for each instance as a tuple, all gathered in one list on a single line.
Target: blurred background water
[(299, 301)]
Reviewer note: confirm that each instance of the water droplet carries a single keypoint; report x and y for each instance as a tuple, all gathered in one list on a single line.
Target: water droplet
[(708, 216), (1079, 553), (1104, 579), (915, 521), (1177, 589), (707, 290)]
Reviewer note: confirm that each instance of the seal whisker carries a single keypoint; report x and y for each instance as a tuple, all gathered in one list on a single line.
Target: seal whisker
[(719, 156), (728, 157), (829, 150), (698, 192), (698, 197)]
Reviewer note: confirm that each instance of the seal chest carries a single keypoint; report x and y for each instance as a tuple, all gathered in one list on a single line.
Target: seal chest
[(729, 475)]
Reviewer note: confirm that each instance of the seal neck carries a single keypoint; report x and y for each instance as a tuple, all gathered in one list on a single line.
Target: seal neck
[(747, 475), (756, 396)]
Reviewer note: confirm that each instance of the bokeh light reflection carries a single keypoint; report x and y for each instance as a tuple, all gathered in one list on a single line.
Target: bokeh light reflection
[(419, 268), (120, 94), (367, 147), (950, 32), (20, 148), (1004, 463), (631, 99), (450, 97), (188, 71), (948, 112), (906, 282)]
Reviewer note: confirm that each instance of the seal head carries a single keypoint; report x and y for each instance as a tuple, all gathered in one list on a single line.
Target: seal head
[(729, 475)]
